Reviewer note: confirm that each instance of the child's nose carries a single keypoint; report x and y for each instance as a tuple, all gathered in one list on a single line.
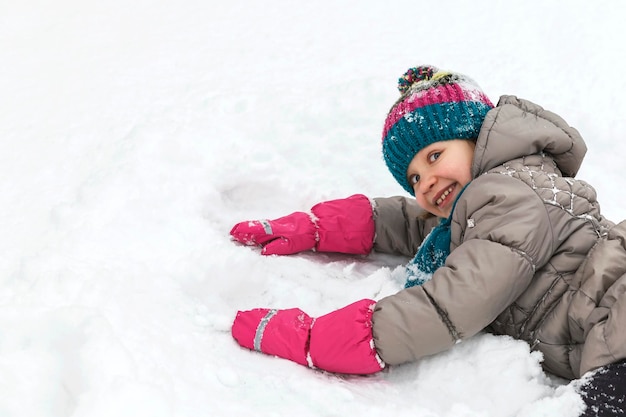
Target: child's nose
[(427, 182)]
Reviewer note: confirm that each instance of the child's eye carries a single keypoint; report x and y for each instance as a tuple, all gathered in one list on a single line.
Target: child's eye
[(413, 179), (434, 156)]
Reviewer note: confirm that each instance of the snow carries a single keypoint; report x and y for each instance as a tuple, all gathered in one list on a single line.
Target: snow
[(134, 135)]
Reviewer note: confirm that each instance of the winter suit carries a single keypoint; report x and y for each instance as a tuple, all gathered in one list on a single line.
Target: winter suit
[(531, 255)]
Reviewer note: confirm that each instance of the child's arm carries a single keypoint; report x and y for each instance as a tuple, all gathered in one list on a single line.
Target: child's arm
[(401, 225), (345, 225), (507, 236), (394, 225)]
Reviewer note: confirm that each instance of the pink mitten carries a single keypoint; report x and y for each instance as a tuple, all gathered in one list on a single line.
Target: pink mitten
[(345, 225), (340, 341), (283, 333)]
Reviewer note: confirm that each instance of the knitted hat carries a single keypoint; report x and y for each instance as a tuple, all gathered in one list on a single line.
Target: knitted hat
[(434, 106)]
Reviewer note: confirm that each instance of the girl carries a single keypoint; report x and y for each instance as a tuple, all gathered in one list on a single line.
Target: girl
[(514, 245)]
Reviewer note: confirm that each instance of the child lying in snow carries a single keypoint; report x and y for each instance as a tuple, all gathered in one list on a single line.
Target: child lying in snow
[(514, 244)]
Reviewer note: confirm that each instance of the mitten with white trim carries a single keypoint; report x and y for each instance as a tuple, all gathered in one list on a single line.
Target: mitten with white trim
[(340, 341), (345, 225)]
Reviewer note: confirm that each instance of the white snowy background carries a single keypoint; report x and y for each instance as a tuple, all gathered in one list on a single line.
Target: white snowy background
[(135, 134)]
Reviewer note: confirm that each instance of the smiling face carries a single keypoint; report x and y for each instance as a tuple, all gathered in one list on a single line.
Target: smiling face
[(439, 172)]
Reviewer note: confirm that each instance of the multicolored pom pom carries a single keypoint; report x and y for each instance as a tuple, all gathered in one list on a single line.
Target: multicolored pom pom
[(413, 75)]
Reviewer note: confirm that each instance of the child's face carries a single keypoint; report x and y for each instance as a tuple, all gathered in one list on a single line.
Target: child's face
[(439, 172)]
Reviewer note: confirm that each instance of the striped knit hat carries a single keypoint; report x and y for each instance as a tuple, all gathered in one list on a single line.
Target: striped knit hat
[(434, 106)]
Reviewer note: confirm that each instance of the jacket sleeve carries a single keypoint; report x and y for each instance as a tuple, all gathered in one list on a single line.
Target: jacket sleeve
[(500, 235), (401, 225)]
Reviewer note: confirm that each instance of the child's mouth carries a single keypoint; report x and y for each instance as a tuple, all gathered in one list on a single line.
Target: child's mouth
[(442, 198)]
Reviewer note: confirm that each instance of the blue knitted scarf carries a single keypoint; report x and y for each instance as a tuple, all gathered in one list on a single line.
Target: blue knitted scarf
[(432, 253)]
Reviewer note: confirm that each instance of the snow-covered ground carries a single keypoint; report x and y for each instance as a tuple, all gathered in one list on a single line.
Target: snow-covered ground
[(133, 135)]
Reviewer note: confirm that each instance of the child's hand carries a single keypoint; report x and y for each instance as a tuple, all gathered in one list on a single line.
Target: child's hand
[(290, 234), (340, 341), (345, 226)]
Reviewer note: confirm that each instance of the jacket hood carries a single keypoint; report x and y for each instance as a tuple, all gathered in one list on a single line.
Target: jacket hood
[(516, 128)]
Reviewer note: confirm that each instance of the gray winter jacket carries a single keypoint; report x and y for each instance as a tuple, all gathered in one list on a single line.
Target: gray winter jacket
[(531, 255)]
